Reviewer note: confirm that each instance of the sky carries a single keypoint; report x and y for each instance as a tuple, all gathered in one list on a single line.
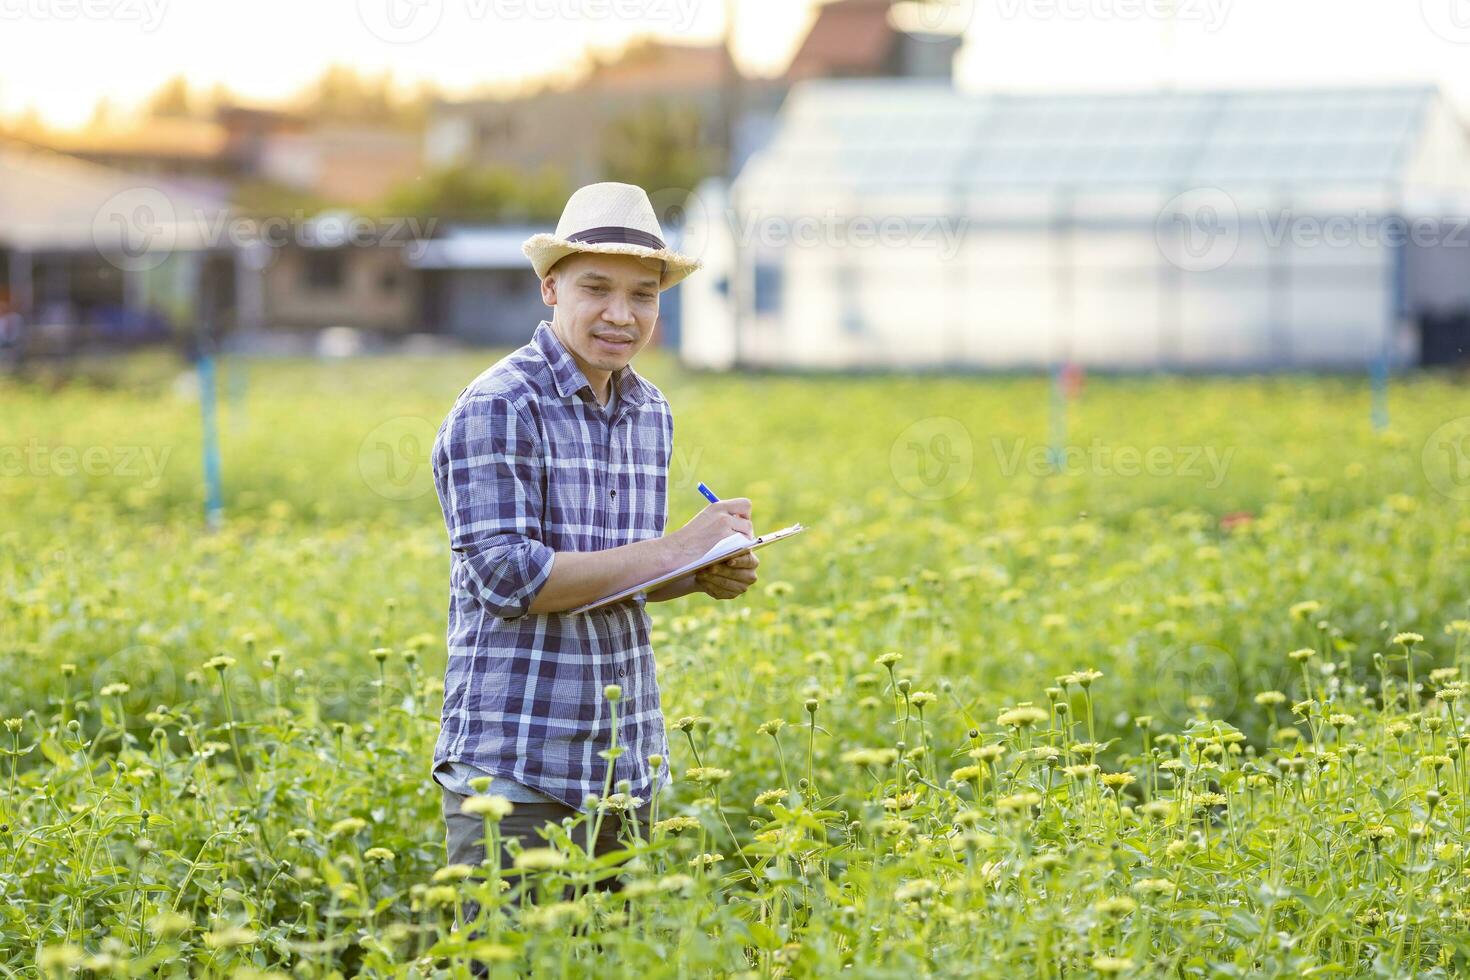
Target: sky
[(60, 56)]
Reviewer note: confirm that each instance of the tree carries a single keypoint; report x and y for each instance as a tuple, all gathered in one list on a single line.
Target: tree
[(462, 193), (172, 98), (342, 94), (104, 114), (29, 126), (219, 97), (658, 146)]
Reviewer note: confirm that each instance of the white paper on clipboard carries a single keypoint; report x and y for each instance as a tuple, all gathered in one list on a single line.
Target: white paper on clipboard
[(733, 545)]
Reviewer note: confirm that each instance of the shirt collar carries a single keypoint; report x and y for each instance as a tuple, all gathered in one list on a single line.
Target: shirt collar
[(632, 389)]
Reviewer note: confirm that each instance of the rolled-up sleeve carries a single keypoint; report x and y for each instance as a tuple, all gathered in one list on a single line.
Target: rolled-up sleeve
[(487, 470)]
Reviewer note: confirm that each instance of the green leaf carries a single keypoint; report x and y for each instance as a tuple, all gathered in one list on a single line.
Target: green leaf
[(763, 936)]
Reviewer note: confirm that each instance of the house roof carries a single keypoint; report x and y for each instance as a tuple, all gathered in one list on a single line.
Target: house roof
[(177, 138), (52, 201), (656, 66), (858, 137), (353, 138), (849, 37)]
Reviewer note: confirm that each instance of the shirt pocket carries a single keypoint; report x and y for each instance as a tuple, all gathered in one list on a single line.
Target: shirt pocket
[(642, 483)]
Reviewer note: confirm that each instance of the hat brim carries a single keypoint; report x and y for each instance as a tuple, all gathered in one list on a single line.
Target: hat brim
[(546, 250)]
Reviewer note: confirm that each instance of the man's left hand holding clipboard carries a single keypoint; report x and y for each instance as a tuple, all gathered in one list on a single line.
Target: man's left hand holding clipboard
[(729, 578)]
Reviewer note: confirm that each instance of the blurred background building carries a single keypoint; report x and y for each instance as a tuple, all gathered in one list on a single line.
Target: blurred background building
[(475, 284), (855, 210), (77, 270)]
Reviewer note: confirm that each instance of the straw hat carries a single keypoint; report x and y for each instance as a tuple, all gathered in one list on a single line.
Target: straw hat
[(613, 219)]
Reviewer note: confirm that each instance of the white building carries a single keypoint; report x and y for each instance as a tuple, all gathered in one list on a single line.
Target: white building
[(899, 223)]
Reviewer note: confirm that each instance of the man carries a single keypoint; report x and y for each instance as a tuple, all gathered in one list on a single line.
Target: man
[(552, 471)]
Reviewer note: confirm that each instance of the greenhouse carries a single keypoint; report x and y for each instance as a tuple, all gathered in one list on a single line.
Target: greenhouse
[(900, 223)]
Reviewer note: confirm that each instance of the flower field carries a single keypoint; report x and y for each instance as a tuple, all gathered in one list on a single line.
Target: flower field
[(1177, 691)]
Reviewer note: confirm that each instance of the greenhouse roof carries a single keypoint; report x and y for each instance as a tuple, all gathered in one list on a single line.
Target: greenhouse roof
[(880, 136)]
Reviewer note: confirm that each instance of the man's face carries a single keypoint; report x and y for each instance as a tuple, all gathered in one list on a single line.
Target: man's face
[(606, 306)]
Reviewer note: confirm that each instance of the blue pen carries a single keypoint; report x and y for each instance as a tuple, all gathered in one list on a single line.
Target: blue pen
[(708, 494)]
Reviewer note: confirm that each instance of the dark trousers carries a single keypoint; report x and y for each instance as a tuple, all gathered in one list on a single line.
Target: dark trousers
[(464, 833)]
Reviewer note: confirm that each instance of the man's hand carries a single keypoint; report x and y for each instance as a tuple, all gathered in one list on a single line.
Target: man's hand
[(729, 578), (709, 527)]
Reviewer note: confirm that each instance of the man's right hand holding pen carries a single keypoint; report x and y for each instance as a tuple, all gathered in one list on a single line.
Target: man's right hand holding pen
[(721, 518)]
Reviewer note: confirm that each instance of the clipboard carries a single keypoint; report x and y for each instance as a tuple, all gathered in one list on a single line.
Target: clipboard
[(736, 544)]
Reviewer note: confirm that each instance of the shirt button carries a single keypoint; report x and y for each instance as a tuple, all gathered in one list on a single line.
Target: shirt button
[(622, 671), (613, 492)]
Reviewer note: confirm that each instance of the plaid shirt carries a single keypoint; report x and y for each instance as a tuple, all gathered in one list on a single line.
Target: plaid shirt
[(527, 464)]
